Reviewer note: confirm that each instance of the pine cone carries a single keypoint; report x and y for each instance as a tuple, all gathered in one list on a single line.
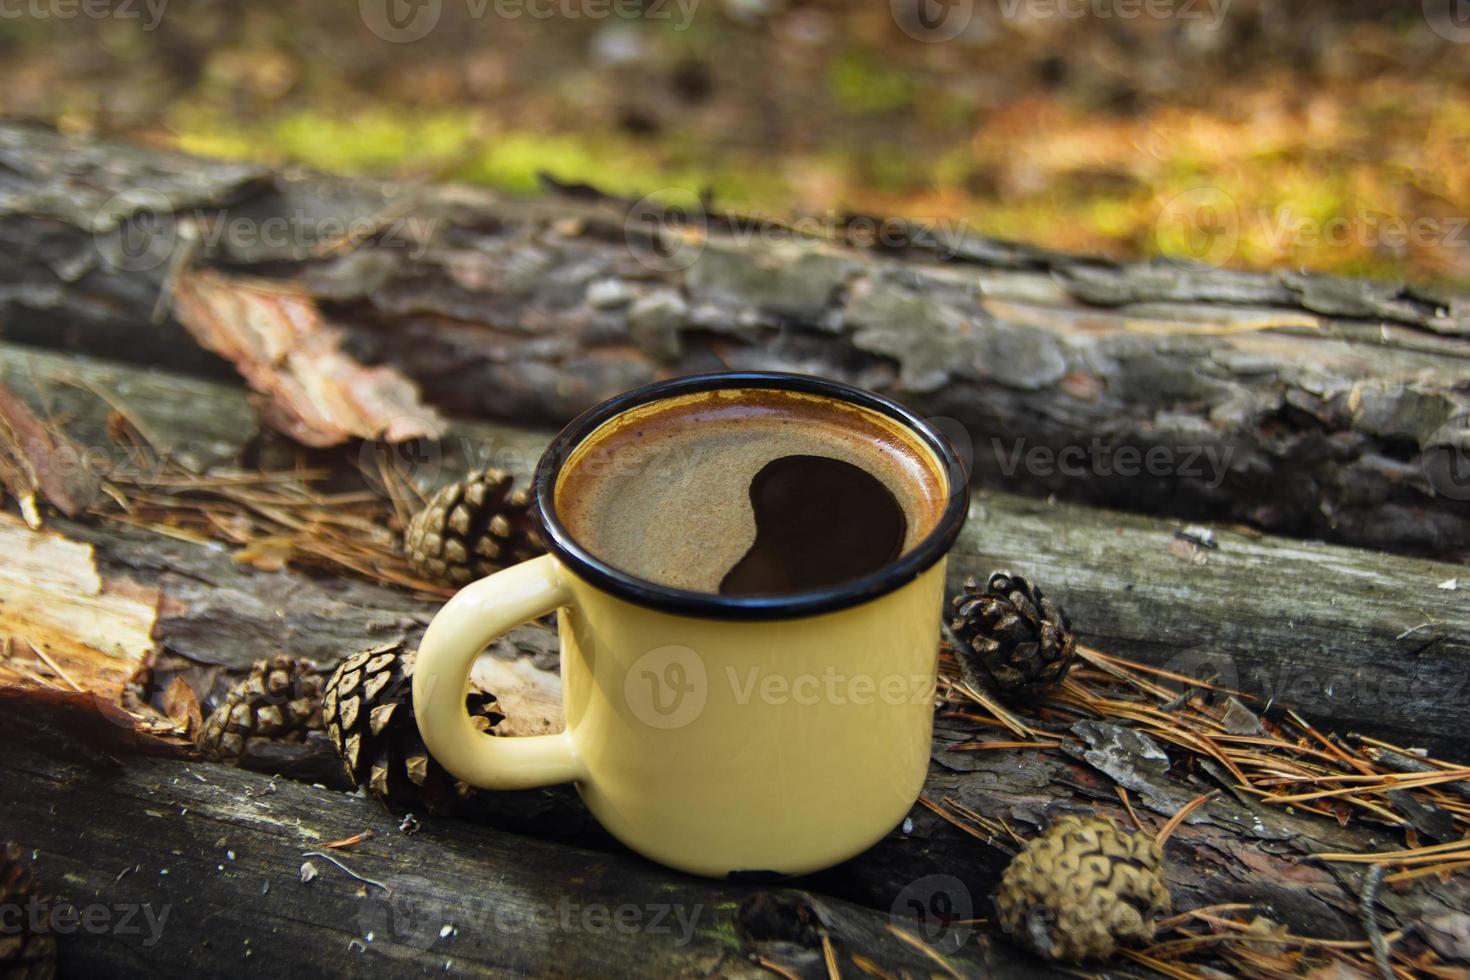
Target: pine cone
[(473, 527), (1018, 642), (24, 954), (280, 700), (368, 708), (1081, 889)]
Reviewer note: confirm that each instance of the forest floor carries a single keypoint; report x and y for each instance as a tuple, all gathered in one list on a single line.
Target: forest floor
[(1331, 136)]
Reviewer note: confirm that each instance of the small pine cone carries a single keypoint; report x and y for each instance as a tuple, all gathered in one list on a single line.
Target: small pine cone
[(25, 954), (1083, 888), (368, 710), (1017, 641), (279, 700), (473, 527)]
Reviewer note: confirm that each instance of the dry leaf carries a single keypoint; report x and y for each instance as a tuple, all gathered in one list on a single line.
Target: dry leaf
[(310, 389), (181, 704), (267, 554), (39, 460)]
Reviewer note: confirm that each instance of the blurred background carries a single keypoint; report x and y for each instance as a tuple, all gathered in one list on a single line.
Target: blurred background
[(1327, 134)]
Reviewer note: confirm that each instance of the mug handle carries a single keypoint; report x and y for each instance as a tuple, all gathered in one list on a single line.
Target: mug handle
[(477, 614)]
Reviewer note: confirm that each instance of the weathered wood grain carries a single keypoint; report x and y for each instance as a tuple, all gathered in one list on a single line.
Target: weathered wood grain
[(1273, 606), (1306, 405), (1231, 851), (1356, 639), (209, 860)]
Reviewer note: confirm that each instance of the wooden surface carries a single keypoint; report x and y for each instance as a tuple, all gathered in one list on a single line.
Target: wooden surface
[(1287, 596), (213, 856), (1306, 405), (1362, 640), (1229, 851), (1329, 397)]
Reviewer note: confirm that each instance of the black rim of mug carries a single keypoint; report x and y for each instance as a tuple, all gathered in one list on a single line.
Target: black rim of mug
[(599, 573)]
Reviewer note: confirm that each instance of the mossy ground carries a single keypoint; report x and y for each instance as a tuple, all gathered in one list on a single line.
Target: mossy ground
[(1336, 139)]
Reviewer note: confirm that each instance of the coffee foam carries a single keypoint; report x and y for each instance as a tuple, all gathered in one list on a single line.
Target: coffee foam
[(662, 491)]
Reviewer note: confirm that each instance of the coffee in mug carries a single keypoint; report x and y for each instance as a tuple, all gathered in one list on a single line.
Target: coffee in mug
[(749, 493)]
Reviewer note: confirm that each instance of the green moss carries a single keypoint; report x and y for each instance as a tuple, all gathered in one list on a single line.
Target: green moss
[(1317, 197), (891, 171), (512, 161), (953, 168), (1276, 189), (863, 86), (370, 141), (373, 140), (723, 932), (1112, 217)]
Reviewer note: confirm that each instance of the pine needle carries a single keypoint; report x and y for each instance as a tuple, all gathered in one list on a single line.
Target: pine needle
[(1001, 714), (776, 968), (870, 968), (829, 956), (910, 939), (1167, 969), (1168, 829), (1128, 805)]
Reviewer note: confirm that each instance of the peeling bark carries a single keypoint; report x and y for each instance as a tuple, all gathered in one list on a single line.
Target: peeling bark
[(1276, 608), (1360, 640), (1328, 402), (62, 622), (1305, 405), (310, 390), (29, 455)]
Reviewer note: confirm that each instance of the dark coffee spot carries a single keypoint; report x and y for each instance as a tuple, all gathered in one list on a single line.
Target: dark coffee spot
[(818, 522)]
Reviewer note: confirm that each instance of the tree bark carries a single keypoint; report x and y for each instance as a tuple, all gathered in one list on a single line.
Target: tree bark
[(1304, 608), (1306, 405), (200, 870), (1230, 851), (1358, 640)]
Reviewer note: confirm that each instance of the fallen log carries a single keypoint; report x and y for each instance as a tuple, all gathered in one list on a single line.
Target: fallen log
[(209, 870), (1233, 850), (1306, 405), (1358, 640), (213, 609)]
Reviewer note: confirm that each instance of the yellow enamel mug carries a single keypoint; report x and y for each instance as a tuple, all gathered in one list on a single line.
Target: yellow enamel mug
[(721, 735)]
